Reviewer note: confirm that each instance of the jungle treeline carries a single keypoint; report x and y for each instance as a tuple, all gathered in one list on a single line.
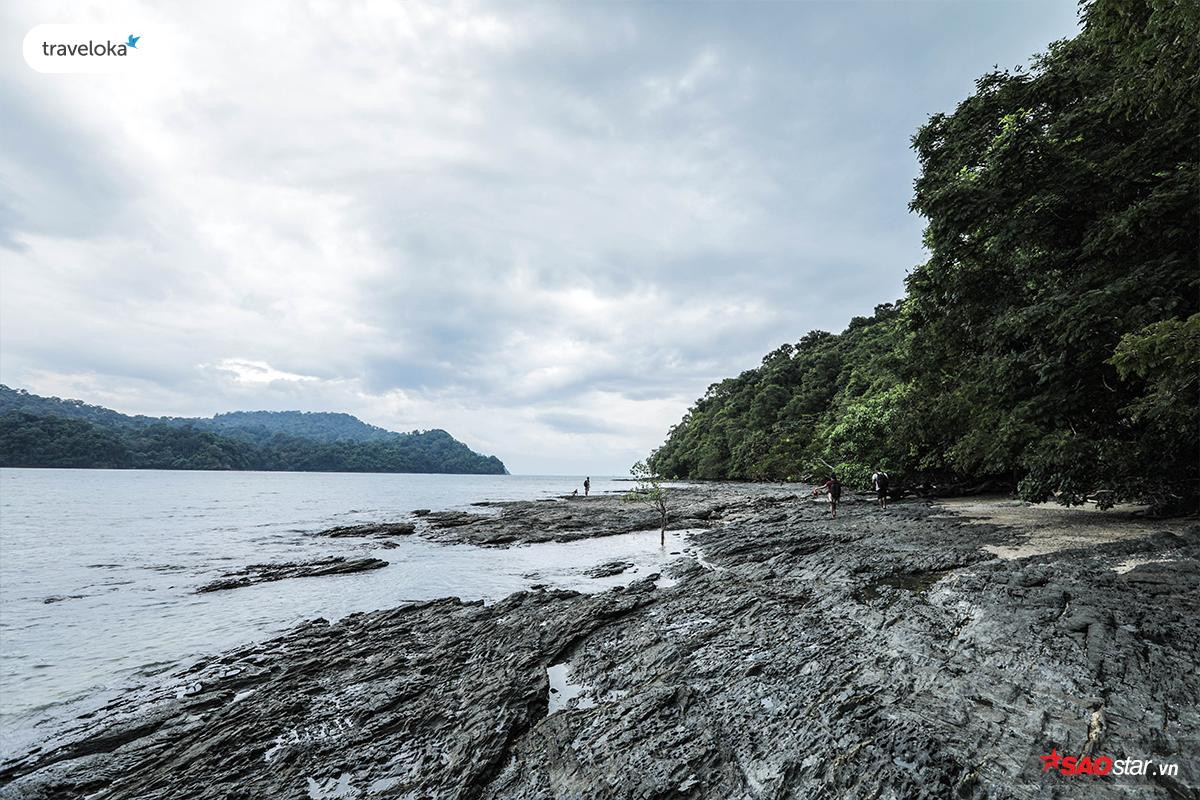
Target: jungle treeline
[(1051, 341), (40, 431)]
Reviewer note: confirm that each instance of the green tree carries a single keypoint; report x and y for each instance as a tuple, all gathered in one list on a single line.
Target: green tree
[(1048, 343), (1063, 217), (649, 490)]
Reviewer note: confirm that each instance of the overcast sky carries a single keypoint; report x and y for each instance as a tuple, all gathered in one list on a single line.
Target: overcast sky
[(546, 228)]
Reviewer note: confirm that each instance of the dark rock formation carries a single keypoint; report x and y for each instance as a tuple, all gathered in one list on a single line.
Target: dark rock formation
[(880, 655), (528, 521), (375, 531), (264, 573), (58, 598), (609, 568), (450, 519)]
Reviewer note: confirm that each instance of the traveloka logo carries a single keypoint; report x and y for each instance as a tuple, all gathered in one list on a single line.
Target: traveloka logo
[(82, 48), (90, 48)]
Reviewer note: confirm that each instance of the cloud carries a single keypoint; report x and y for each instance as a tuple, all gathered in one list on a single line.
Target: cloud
[(545, 228), (575, 423), (259, 372)]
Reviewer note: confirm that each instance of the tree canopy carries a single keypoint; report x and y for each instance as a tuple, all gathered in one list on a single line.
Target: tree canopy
[(1052, 338), (49, 432)]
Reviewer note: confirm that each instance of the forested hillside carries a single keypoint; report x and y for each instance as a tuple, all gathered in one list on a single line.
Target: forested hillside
[(320, 426), (1051, 341), (254, 426), (49, 432)]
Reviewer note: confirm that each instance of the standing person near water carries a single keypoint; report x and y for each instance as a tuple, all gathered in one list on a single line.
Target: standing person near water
[(880, 479), (587, 485), (833, 487)]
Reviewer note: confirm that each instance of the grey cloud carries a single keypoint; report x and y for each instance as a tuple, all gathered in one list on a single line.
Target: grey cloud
[(51, 181), (383, 374), (591, 204), (576, 423)]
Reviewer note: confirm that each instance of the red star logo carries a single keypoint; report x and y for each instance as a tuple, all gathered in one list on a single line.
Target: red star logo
[(1051, 761)]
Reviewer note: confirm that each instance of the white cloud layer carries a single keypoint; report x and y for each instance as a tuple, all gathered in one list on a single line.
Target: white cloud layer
[(545, 227)]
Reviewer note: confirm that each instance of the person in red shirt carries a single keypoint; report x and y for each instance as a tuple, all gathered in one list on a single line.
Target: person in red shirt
[(833, 487)]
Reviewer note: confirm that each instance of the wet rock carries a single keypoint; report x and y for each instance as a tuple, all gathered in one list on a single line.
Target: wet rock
[(367, 698), (450, 519), (609, 568), (878, 655), (264, 573), (374, 530), (58, 598), (530, 521)]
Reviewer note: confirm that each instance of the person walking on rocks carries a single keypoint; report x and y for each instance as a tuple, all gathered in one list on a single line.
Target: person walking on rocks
[(832, 487), (587, 485), (880, 479)]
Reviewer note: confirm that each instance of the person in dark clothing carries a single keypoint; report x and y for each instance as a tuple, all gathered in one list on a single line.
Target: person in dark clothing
[(880, 479), (832, 487), (587, 485)]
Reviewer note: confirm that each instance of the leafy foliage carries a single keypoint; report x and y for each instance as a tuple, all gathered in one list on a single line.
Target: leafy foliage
[(1049, 342), (250, 426), (649, 490), (32, 434), (837, 398)]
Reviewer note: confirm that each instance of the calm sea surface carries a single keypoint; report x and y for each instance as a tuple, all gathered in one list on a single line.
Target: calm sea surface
[(99, 568)]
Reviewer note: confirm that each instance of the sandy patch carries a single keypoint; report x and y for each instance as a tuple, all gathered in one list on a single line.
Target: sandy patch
[(1050, 528)]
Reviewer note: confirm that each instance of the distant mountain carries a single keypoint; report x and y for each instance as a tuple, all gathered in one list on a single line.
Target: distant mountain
[(321, 426), (40, 431)]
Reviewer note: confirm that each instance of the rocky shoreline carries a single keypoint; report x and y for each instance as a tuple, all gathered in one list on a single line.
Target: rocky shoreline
[(883, 654), (572, 518), (266, 573)]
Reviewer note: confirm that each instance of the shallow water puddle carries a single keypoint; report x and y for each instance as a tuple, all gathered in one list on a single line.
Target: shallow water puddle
[(699, 558), (665, 582), (304, 734), (1132, 563), (563, 691), (332, 788)]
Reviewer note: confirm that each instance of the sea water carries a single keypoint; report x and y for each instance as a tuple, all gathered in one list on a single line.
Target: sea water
[(99, 568)]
